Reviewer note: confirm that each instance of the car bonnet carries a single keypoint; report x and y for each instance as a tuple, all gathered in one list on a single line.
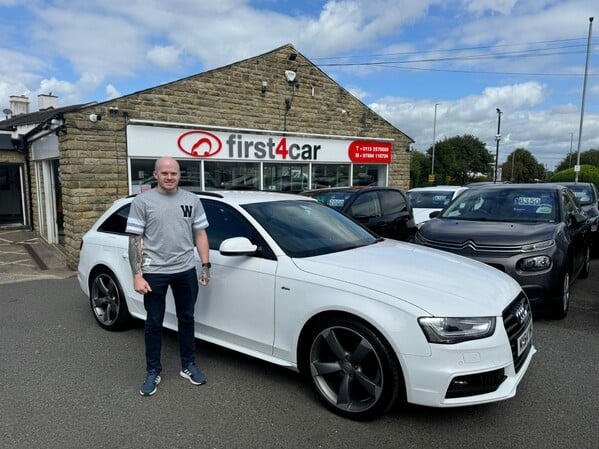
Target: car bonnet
[(487, 232), (439, 283)]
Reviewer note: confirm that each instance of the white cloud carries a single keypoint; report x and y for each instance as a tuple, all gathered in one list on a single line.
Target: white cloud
[(165, 57)]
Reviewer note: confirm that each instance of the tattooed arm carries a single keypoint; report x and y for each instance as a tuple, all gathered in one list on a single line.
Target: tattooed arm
[(140, 285)]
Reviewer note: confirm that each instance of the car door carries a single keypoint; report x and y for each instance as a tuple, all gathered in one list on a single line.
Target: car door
[(396, 215), (366, 209), (577, 233), (236, 308)]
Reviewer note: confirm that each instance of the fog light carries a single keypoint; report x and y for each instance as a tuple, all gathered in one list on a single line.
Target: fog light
[(536, 263)]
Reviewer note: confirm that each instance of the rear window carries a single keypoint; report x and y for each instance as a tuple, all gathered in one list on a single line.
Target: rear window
[(117, 222), (430, 200), (584, 194)]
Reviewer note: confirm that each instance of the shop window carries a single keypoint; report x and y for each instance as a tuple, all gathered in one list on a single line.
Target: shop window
[(142, 177), (232, 175), (369, 175), (286, 177), (330, 175)]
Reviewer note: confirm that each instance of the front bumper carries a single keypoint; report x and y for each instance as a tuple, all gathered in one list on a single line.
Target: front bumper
[(478, 371)]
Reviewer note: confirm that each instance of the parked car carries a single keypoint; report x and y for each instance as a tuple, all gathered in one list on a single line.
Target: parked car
[(588, 198), (536, 233), (431, 199), (384, 210), (298, 284)]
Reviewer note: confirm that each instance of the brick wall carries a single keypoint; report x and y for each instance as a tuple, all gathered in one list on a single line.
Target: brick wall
[(93, 156)]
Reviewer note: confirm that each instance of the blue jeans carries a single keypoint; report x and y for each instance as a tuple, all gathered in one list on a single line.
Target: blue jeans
[(185, 292)]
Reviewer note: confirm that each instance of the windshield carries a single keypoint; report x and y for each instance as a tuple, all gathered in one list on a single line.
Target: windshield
[(309, 228), (437, 199), (509, 205)]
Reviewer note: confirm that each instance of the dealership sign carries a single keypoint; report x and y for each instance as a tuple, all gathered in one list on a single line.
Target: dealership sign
[(152, 141)]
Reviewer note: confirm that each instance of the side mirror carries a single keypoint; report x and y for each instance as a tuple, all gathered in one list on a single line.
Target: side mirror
[(237, 246), (577, 219), (434, 214)]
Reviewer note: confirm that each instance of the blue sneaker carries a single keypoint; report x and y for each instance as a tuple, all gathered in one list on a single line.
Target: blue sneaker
[(194, 375), (149, 386)]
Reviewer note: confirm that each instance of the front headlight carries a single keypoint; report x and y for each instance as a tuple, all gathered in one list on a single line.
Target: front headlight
[(455, 330), (537, 263)]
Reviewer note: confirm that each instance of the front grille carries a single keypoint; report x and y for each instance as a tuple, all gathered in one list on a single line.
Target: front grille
[(468, 246), (516, 317), (475, 384)]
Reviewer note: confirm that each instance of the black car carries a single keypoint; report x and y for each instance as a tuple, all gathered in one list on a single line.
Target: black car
[(384, 210), (536, 233), (588, 198)]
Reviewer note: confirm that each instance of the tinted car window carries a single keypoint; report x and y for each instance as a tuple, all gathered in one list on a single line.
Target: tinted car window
[(584, 193), (225, 222), (117, 222), (366, 205), (392, 202), (569, 203)]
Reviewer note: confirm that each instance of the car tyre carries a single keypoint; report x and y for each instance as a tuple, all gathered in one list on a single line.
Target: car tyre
[(107, 301), (559, 308), (353, 370)]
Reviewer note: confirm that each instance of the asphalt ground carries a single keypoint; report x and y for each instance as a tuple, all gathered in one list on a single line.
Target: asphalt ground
[(66, 383)]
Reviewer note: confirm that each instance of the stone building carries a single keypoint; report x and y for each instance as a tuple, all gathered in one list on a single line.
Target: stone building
[(273, 121)]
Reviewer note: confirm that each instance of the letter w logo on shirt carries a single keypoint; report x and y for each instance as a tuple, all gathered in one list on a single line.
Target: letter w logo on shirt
[(186, 208)]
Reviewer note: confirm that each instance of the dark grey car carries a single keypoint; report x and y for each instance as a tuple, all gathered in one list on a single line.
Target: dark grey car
[(387, 211), (588, 198), (536, 233)]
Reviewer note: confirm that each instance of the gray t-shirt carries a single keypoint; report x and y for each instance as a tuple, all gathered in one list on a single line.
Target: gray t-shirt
[(167, 223)]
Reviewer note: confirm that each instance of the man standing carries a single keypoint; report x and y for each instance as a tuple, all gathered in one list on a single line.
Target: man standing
[(163, 224)]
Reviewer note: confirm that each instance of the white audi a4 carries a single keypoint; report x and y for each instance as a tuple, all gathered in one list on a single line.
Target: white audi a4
[(369, 321)]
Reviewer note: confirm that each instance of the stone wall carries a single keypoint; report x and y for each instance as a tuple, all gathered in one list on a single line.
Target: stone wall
[(93, 155)]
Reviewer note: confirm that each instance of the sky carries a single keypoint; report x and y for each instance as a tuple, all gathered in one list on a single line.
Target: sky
[(433, 68)]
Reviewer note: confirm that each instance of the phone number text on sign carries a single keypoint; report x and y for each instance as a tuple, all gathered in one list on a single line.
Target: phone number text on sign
[(364, 152)]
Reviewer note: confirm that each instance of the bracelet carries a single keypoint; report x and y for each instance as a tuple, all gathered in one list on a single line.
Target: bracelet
[(207, 265)]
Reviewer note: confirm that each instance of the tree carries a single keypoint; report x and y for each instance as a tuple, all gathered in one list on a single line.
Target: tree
[(419, 168), (460, 159), (588, 173), (589, 157), (525, 167)]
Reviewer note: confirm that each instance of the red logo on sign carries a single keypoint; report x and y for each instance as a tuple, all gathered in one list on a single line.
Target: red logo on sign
[(199, 143), (364, 152)]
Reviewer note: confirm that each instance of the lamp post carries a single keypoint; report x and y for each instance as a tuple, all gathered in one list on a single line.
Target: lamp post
[(584, 89), (434, 141), (513, 159), (570, 153), (497, 138)]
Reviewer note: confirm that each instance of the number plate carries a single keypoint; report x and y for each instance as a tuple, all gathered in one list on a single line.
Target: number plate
[(525, 339)]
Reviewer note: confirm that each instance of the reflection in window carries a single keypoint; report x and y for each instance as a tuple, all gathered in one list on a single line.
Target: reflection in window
[(369, 175), (330, 175), (232, 175)]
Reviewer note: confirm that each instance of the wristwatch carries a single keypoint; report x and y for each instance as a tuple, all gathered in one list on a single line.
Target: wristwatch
[(207, 265)]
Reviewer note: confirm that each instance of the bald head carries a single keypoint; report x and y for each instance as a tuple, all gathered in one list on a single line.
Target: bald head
[(167, 173)]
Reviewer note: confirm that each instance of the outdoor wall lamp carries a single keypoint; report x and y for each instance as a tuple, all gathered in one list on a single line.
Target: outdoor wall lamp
[(264, 86)]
